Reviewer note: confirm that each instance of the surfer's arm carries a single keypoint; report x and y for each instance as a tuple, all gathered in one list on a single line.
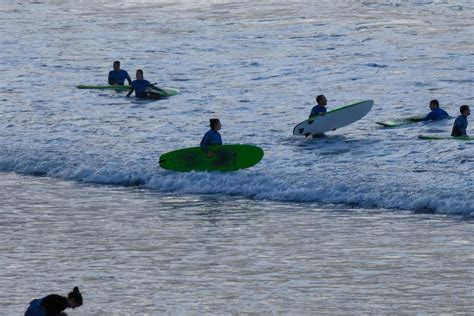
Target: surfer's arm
[(204, 143), (130, 92), (428, 117), (156, 88)]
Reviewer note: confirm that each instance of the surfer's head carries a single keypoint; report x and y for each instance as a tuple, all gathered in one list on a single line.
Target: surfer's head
[(215, 124), (74, 298), (464, 109), (434, 104), (116, 65), (321, 100), (139, 74)]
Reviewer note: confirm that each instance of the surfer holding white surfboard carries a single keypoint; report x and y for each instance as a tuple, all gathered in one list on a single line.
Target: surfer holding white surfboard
[(321, 120), (320, 107)]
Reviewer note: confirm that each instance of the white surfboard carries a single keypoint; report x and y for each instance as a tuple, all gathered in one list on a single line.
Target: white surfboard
[(333, 119)]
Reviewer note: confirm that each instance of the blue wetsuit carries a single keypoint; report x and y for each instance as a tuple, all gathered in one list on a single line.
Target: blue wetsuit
[(140, 87), (459, 126), (212, 137), (436, 114), (118, 77), (47, 306), (316, 110)]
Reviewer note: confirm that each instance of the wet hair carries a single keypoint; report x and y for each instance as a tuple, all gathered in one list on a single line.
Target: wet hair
[(213, 122), (463, 108), (140, 71), (319, 98), (116, 63), (434, 102), (76, 295)]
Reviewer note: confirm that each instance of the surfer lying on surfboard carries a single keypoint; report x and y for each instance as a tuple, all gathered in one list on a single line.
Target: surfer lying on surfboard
[(212, 136), (142, 88), (436, 112)]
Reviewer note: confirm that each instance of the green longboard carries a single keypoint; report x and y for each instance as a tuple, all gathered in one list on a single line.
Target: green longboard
[(226, 158), (426, 137), (163, 92), (401, 122), (167, 91), (104, 87)]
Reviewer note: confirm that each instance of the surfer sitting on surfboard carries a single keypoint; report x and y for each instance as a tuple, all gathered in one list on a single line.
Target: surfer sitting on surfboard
[(212, 137), (319, 109), (118, 76), (436, 113), (54, 304), (460, 124), (142, 88)]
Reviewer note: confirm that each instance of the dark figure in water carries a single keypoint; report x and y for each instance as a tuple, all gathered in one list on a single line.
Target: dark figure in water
[(460, 124), (436, 113), (54, 304), (319, 109), (118, 76), (142, 88), (212, 136)]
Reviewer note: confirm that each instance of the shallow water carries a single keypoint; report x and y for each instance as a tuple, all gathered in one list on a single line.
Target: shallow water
[(134, 251)]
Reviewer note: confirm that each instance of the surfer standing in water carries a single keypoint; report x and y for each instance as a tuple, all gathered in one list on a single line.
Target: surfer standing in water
[(118, 76), (436, 113), (319, 109), (54, 304), (460, 124), (142, 86), (212, 137)]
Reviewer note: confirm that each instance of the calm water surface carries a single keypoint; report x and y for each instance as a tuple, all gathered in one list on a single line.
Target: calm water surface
[(134, 251)]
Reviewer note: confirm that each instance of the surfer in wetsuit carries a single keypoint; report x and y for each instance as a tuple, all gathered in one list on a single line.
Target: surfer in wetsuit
[(54, 304), (142, 88), (436, 113), (118, 76), (319, 109), (212, 137), (460, 124)]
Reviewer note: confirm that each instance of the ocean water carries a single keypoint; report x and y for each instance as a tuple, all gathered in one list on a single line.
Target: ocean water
[(366, 220), (134, 251)]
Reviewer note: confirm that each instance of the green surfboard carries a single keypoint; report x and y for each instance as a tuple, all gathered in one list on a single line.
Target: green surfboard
[(104, 87), (426, 137), (401, 121), (164, 92), (226, 158)]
